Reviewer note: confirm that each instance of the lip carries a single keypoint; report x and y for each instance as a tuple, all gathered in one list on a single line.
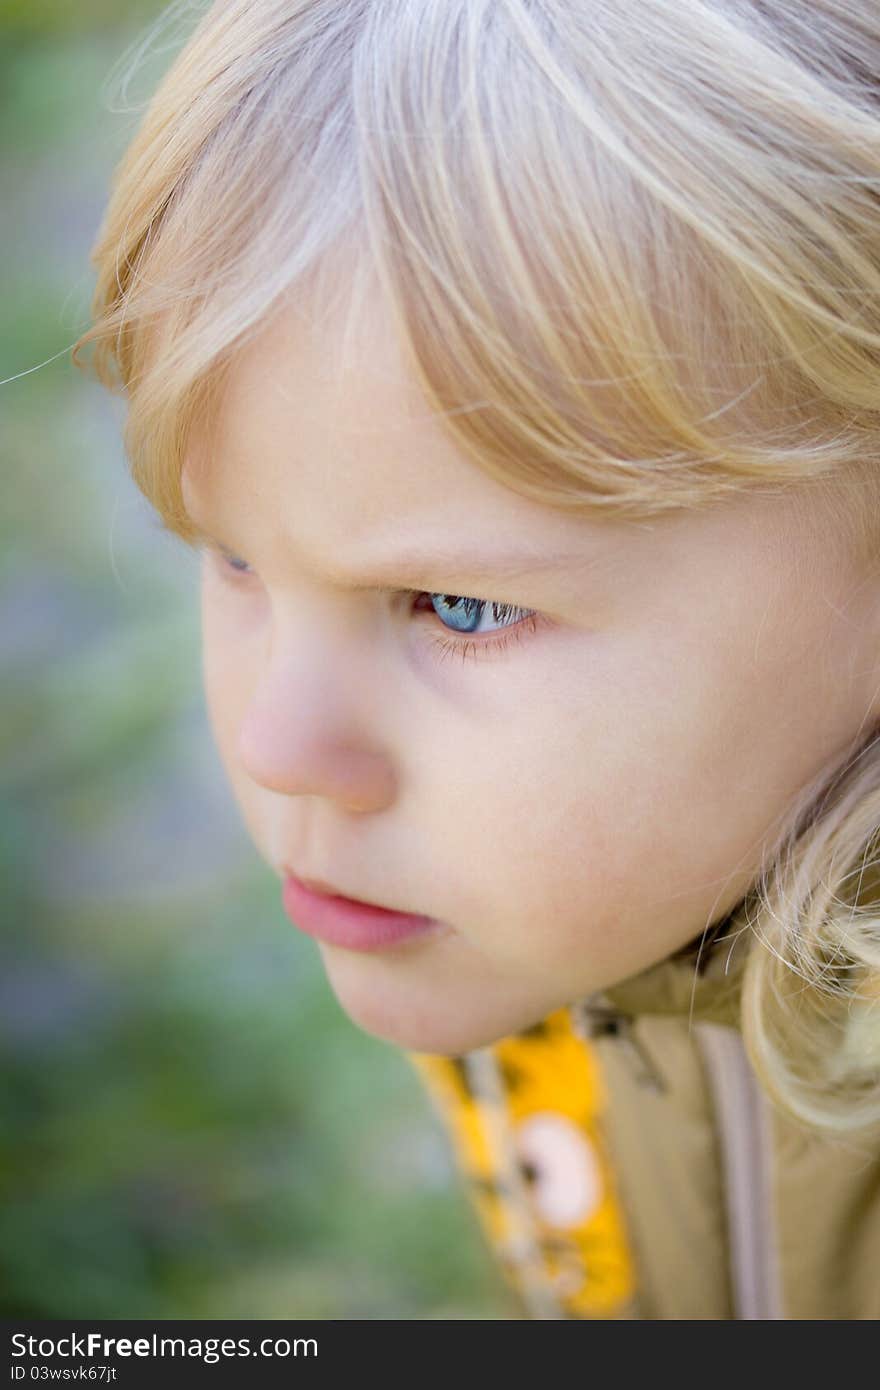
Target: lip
[(340, 921)]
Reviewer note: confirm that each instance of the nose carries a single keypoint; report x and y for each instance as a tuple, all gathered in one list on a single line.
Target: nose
[(304, 736)]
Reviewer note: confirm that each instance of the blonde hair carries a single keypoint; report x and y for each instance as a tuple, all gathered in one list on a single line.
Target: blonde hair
[(633, 253)]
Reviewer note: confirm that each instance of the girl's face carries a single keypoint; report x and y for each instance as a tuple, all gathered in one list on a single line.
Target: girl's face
[(571, 806)]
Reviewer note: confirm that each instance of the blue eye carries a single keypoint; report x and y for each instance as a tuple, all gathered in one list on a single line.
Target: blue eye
[(466, 615), (463, 611)]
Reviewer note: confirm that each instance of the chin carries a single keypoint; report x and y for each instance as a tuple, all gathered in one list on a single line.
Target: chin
[(441, 1037), (436, 1025), (412, 1030)]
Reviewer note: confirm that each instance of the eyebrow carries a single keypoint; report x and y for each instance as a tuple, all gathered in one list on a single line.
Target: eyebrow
[(435, 568)]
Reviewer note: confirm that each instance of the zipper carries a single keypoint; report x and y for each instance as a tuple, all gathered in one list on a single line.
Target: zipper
[(522, 1246), (596, 1020), (743, 1117)]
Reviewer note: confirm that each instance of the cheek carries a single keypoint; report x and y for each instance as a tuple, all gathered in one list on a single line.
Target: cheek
[(533, 811), (616, 792), (224, 683), (227, 678)]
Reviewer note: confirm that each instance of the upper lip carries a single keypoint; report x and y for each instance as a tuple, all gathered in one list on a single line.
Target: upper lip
[(318, 885)]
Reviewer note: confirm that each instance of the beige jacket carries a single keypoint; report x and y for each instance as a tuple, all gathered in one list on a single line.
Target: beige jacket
[(699, 1201)]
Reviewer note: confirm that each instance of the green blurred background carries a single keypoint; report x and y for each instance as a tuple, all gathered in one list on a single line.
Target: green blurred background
[(191, 1127)]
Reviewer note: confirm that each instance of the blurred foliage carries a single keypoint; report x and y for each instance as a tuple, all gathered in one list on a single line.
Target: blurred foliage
[(49, 19), (190, 1125)]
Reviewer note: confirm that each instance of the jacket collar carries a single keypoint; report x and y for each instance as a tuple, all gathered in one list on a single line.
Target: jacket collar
[(699, 984)]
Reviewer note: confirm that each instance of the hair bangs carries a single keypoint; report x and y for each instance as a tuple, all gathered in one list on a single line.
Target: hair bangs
[(577, 284)]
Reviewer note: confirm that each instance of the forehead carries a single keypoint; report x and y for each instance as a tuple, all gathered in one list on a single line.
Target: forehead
[(322, 418), (322, 440)]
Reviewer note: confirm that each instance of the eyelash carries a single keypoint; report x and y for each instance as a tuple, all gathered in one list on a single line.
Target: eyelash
[(491, 645), (461, 646)]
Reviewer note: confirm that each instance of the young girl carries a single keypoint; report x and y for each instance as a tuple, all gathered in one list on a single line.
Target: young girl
[(516, 364)]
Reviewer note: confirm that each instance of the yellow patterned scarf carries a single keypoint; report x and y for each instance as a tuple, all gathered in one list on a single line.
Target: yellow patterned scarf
[(525, 1120)]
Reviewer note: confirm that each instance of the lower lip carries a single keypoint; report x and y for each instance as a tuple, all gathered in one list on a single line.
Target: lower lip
[(344, 922)]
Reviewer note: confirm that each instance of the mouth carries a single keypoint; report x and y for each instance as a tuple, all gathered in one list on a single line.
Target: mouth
[(317, 909)]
